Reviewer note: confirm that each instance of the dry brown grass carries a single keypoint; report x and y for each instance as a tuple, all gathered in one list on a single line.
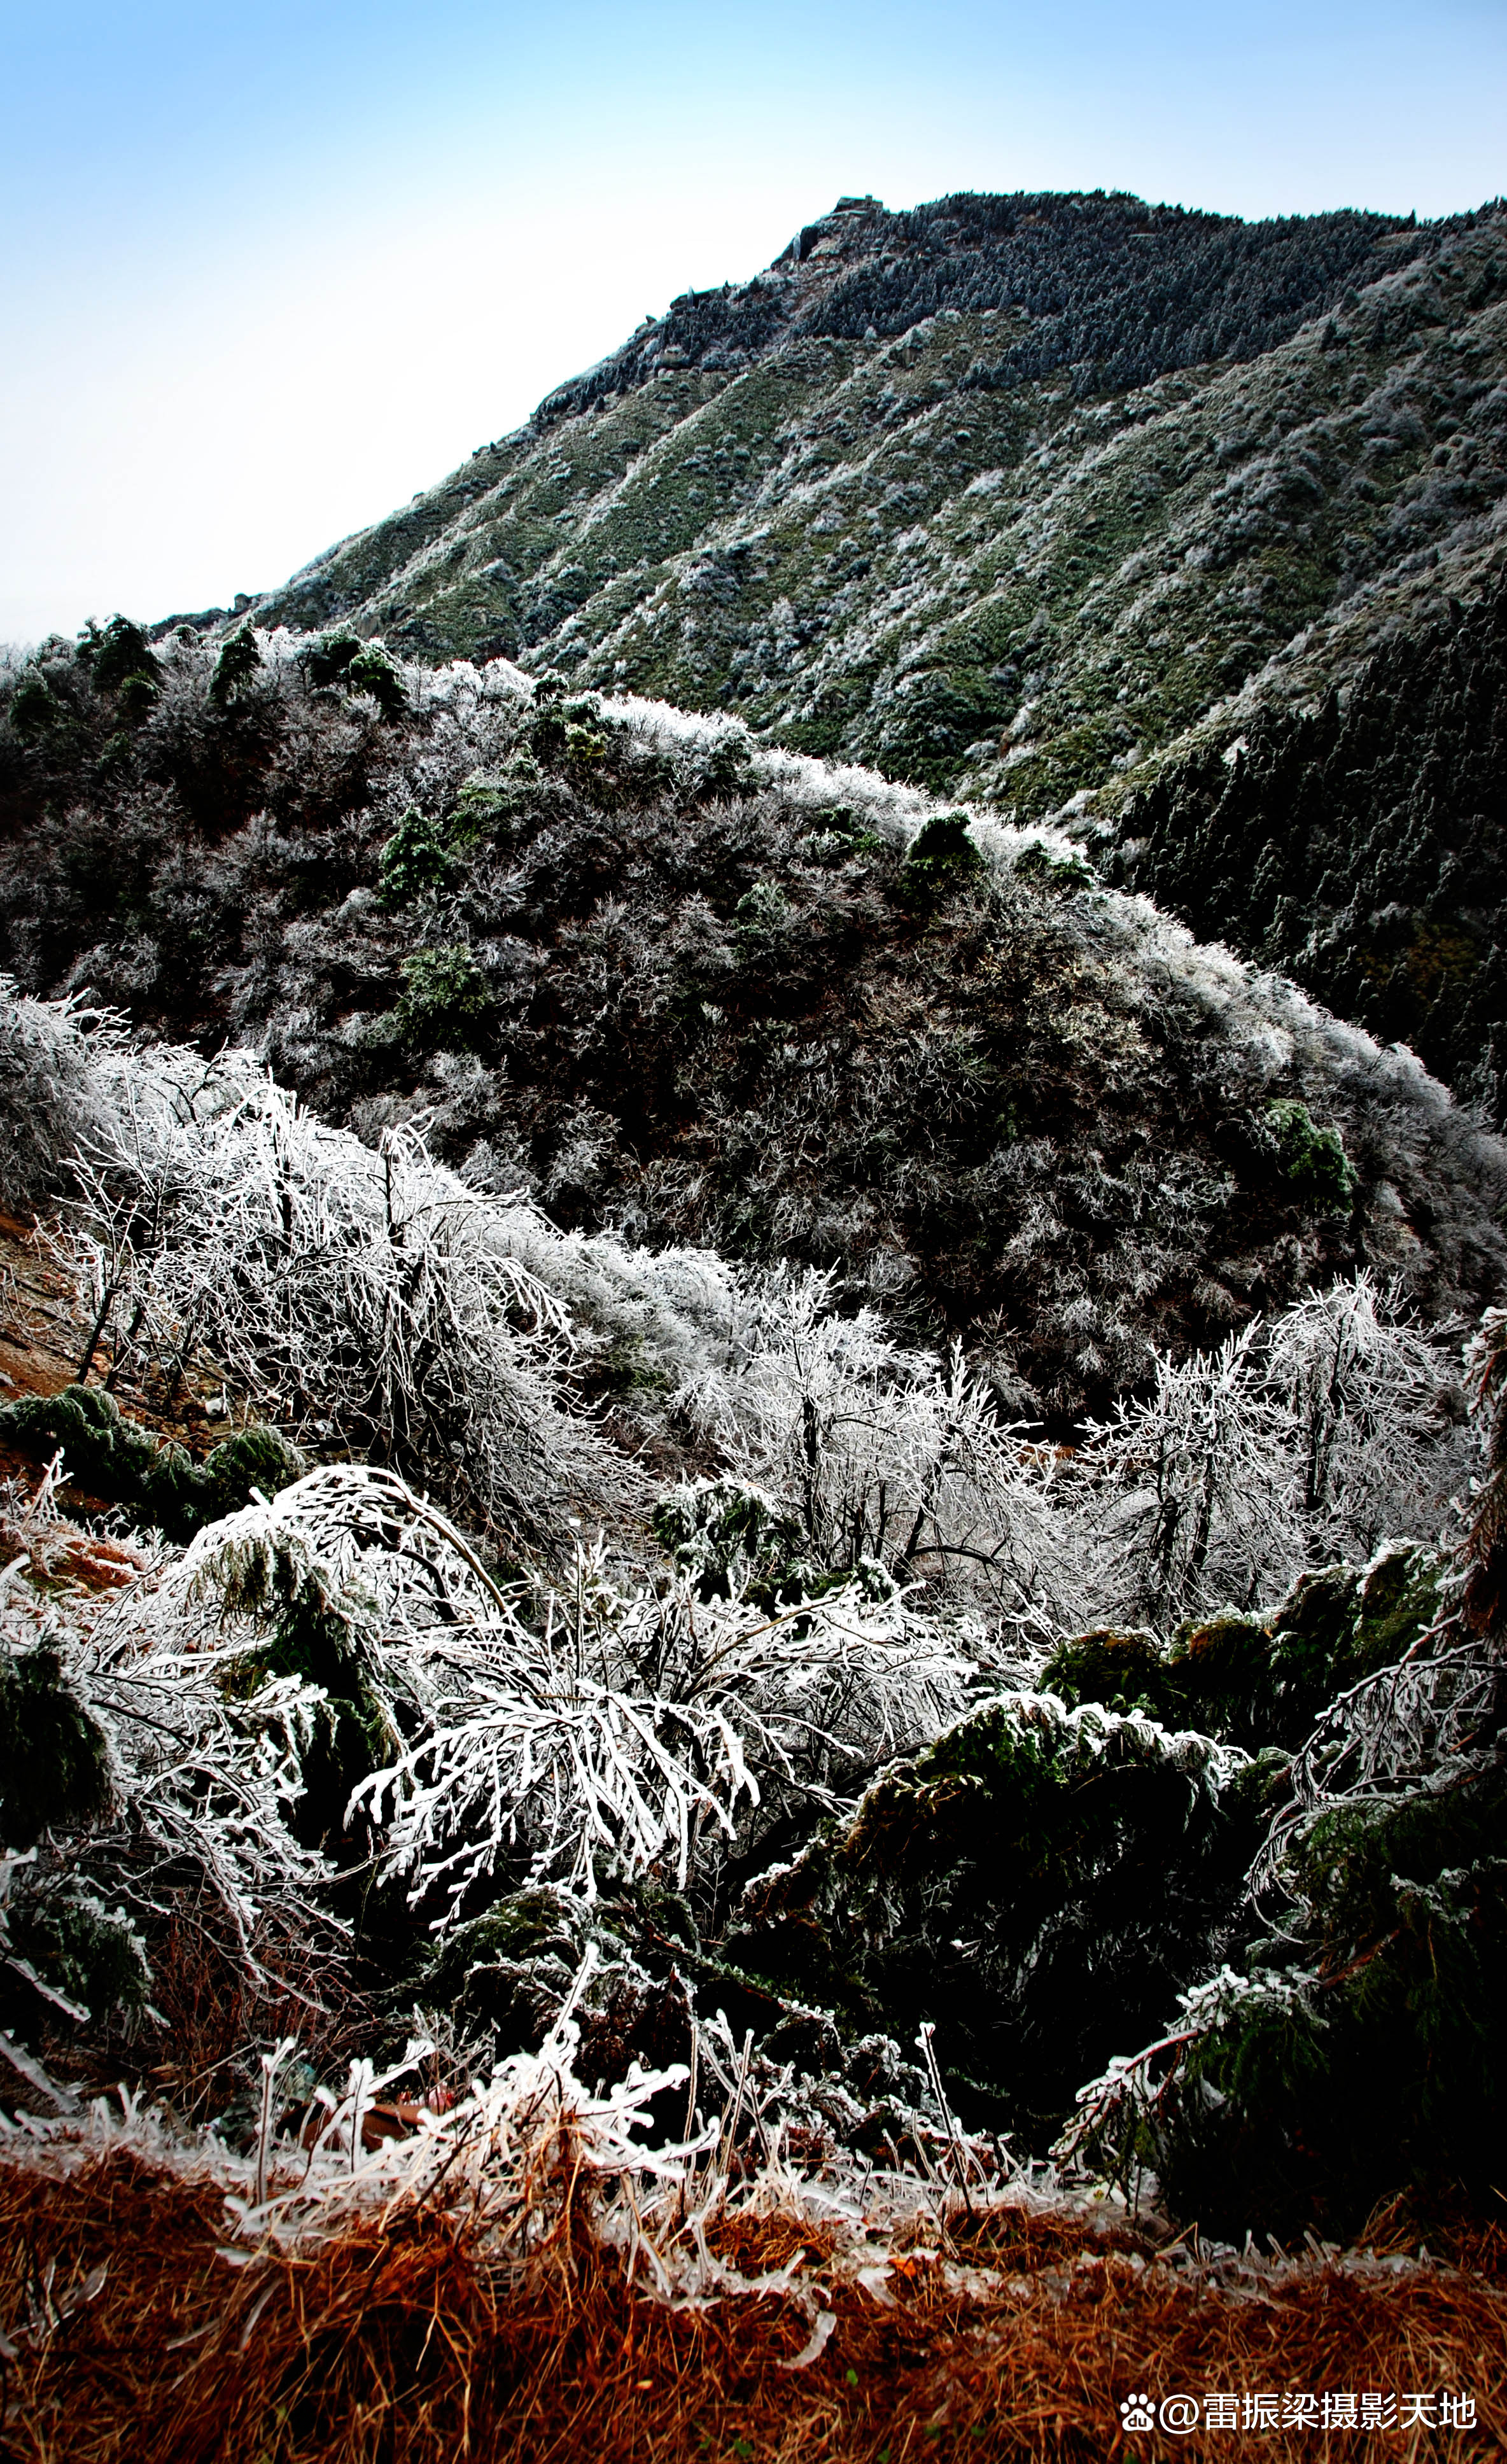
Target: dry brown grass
[(404, 2338)]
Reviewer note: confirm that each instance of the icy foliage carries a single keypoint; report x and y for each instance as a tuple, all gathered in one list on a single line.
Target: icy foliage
[(368, 1299), (192, 1780), (365, 1297), (60, 1064), (882, 1453), (557, 1732), (374, 1300), (1298, 1442), (683, 989), (1372, 1397)]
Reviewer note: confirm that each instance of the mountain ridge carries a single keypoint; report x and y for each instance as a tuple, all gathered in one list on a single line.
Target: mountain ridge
[(1021, 549)]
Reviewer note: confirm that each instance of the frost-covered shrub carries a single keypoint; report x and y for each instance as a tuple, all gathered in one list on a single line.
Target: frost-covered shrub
[(370, 1298), (597, 1728), (60, 1076), (1202, 1508), (1373, 1401), (732, 1537), (1305, 1438), (881, 1453), (141, 1781), (999, 1883), (1350, 2040)]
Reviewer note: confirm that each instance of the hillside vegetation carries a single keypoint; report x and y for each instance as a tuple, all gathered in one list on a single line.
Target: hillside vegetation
[(1358, 843), (753, 1548), (920, 482), (816, 1356), (631, 966), (1005, 495)]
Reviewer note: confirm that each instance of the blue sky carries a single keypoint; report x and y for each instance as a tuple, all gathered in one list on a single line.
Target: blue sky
[(269, 271)]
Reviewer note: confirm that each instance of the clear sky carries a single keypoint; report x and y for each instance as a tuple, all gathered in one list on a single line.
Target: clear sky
[(268, 271)]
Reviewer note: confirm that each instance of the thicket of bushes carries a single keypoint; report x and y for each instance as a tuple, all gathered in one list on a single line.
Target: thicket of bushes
[(839, 1765), (630, 966)]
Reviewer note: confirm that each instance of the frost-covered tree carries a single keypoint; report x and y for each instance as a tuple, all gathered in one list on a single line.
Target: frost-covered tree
[(1189, 1487), (879, 1452), (1374, 1409)]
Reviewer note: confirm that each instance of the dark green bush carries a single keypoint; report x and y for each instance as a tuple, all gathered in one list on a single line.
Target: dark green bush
[(447, 1000), (507, 1971), (415, 861), (255, 1457), (34, 706), (510, 1970), (1026, 1882), (546, 733), (118, 655), (940, 857), (55, 1765), (1124, 1671), (1311, 1160), (372, 671), (491, 804), (1261, 1681), (348, 1737), (237, 663), (137, 697), (107, 1456), (763, 921), (716, 765), (325, 660), (80, 1950), (1055, 867), (837, 834), (1385, 2062)]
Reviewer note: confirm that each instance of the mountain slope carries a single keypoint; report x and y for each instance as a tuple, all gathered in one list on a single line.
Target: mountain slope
[(630, 963), (1360, 844), (1006, 493)]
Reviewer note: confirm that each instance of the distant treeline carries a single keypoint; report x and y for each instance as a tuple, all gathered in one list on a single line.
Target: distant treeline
[(1119, 291)]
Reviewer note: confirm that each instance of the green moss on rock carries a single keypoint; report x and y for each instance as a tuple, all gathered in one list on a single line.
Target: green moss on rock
[(108, 1457)]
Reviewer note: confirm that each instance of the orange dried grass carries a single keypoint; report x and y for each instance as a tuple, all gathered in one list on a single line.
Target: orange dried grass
[(401, 2340)]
